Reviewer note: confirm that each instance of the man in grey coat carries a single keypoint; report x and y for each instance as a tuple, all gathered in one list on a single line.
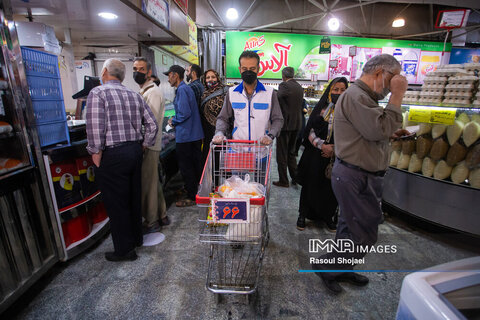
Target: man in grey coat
[(290, 97)]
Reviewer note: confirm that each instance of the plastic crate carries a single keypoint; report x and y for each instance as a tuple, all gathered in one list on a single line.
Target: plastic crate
[(53, 132), (48, 111), (45, 88), (39, 63)]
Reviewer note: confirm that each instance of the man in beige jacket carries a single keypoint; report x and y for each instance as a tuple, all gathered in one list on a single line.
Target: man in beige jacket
[(154, 209)]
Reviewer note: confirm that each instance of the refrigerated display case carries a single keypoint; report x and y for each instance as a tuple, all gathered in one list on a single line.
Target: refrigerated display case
[(435, 174), (29, 238)]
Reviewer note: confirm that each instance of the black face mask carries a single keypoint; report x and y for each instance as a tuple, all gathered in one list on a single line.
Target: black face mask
[(189, 78), (139, 77), (249, 76), (334, 97)]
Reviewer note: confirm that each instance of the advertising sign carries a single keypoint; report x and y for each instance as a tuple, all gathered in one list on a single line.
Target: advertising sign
[(190, 52), (279, 50), (461, 55), (182, 4), (325, 45), (158, 10)]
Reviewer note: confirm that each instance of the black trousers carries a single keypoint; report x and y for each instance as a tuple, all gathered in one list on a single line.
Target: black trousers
[(189, 156), (286, 155), (119, 179)]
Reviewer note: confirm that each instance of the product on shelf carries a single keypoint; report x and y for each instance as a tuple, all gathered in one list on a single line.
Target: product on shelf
[(460, 173), (471, 133), (408, 146), (403, 161), (76, 229), (439, 149), (464, 117), (395, 156), (424, 145), (428, 166), (66, 183), (86, 172), (456, 153), (474, 178), (5, 127), (397, 145), (415, 164), (476, 118), (472, 160), (472, 67), (424, 128), (454, 131), (442, 170), (7, 164), (438, 130)]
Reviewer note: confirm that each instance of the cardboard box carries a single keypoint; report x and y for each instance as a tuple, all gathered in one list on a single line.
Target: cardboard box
[(86, 172), (66, 183)]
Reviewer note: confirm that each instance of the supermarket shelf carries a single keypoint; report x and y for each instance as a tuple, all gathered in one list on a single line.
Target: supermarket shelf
[(98, 231), (80, 203)]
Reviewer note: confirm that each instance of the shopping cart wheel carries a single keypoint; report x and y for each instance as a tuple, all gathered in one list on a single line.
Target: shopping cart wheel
[(251, 298), (218, 298)]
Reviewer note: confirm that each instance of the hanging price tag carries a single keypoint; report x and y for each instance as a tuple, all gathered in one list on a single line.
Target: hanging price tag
[(419, 114), (325, 45), (352, 51), (443, 116), (333, 64), (231, 210)]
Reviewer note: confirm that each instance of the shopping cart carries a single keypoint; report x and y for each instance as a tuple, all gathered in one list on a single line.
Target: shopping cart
[(235, 229)]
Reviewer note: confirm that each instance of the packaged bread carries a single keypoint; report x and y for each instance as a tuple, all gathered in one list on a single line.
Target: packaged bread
[(424, 128), (403, 161), (459, 173), (442, 170), (415, 164), (439, 149), (472, 159), (5, 127), (474, 178), (397, 145), (471, 132), (438, 130), (463, 117), (423, 146), (408, 146), (455, 131), (7, 164), (456, 153), (428, 166), (395, 155)]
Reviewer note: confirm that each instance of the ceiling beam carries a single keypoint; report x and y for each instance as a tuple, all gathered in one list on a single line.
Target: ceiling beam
[(477, 26), (349, 27), (396, 16), (308, 16), (318, 22), (334, 4), (247, 13), (325, 4), (216, 13), (318, 5), (289, 8), (433, 32), (363, 15), (356, 5)]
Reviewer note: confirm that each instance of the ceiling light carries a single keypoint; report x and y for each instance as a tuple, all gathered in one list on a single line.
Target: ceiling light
[(397, 23), (232, 14), (333, 24), (108, 15)]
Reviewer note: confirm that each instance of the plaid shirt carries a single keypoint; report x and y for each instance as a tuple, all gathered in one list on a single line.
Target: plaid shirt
[(198, 89), (115, 114)]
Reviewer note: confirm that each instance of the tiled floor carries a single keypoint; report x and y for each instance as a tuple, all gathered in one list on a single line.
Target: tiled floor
[(168, 280)]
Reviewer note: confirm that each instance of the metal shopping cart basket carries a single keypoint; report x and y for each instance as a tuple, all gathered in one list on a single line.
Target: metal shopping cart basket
[(235, 229)]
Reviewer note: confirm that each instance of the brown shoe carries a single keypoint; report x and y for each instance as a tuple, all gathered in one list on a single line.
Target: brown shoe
[(281, 184)]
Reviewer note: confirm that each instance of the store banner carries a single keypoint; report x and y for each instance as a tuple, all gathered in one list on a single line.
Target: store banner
[(190, 52), (325, 45), (279, 50), (463, 55), (158, 10), (182, 4)]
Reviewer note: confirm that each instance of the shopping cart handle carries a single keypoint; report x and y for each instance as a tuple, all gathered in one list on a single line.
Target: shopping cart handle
[(241, 141)]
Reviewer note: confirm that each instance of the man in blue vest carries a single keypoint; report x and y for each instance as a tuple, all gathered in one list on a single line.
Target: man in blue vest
[(254, 107)]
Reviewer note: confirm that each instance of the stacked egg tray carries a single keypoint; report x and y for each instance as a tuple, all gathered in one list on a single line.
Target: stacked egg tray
[(460, 90), (411, 97), (476, 101), (443, 152), (433, 88)]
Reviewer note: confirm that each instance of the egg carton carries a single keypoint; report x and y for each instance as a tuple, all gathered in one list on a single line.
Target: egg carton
[(471, 66), (433, 86), (431, 93), (465, 87), (457, 93), (476, 103), (457, 101), (435, 80), (462, 79), (450, 66), (450, 72), (437, 100)]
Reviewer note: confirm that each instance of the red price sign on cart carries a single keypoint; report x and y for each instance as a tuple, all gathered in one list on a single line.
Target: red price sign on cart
[(231, 210)]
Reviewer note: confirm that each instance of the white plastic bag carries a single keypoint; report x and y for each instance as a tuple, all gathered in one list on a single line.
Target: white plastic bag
[(236, 187)]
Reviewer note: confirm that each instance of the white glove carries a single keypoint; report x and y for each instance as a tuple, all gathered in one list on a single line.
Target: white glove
[(218, 138), (266, 140)]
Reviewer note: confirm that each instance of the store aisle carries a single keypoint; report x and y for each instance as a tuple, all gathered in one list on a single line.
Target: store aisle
[(168, 281)]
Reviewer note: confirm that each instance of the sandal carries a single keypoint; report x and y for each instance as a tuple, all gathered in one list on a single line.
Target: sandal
[(185, 203)]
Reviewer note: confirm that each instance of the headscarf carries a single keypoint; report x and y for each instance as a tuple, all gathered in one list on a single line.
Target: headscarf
[(212, 107), (315, 117)]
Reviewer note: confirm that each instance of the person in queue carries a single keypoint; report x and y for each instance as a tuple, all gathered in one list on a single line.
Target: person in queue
[(115, 115), (254, 107), (290, 97), (154, 208), (194, 72), (362, 129), (211, 104), (317, 200), (189, 134)]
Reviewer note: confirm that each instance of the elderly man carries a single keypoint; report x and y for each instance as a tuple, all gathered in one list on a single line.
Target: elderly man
[(253, 107), (115, 115), (362, 130), (154, 208)]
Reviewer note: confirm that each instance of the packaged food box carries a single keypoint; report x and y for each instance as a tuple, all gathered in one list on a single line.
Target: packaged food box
[(86, 171), (66, 183)]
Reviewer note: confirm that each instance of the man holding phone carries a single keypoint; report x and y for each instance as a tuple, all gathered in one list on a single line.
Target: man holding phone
[(362, 129)]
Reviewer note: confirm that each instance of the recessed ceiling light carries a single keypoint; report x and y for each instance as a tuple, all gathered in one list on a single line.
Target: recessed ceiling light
[(333, 24), (398, 23), (232, 14), (108, 15)]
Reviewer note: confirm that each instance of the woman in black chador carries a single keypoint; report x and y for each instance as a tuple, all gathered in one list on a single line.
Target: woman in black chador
[(317, 200)]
